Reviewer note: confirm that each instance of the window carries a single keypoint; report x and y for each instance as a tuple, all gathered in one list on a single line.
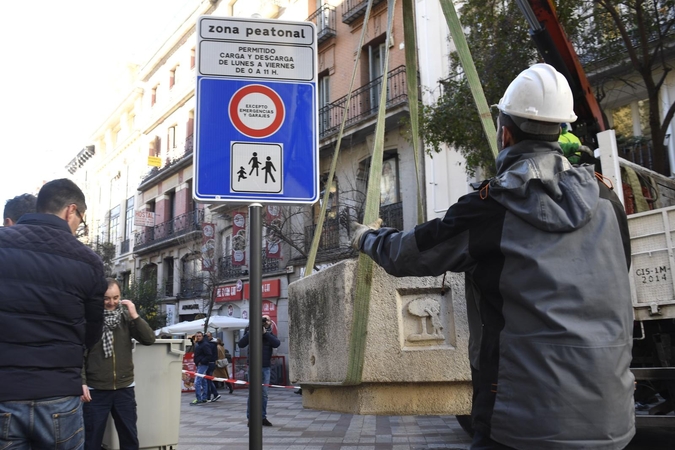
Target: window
[(389, 183), (125, 282), (192, 58), (332, 208), (172, 77), (171, 138), (114, 224), (129, 218), (389, 192), (153, 99), (324, 101), (168, 279), (375, 71)]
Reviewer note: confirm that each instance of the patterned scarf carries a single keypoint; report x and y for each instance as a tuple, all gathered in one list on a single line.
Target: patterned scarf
[(111, 320)]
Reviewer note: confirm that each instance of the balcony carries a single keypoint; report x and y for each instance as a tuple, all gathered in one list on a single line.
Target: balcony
[(324, 19), (330, 236), (353, 9), (124, 246), (193, 287), (228, 271), (364, 103), (166, 232), (171, 165)]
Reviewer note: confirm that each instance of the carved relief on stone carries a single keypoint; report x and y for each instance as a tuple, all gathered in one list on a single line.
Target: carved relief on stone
[(427, 312)]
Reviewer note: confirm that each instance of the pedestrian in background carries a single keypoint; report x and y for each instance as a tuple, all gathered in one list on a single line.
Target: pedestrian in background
[(108, 372), (51, 308), (212, 394), (270, 342), (546, 247), (221, 365), (17, 207), (202, 357)]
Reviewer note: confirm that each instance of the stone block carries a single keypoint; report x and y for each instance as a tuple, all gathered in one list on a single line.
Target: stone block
[(416, 357)]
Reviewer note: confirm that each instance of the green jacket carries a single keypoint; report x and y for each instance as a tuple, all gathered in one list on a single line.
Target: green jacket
[(116, 372)]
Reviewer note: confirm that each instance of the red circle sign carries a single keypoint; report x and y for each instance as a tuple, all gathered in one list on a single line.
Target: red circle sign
[(257, 111)]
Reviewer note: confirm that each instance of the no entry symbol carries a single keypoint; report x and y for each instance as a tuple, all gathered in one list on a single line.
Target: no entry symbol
[(257, 111)]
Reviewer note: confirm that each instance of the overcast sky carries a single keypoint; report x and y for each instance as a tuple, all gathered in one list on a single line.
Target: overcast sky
[(62, 66)]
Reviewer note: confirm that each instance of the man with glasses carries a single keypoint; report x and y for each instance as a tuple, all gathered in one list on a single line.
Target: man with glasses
[(51, 307)]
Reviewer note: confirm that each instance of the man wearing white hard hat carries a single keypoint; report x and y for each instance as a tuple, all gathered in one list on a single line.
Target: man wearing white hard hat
[(545, 247)]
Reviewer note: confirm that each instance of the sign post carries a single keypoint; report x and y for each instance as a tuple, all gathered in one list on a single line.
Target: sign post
[(256, 138)]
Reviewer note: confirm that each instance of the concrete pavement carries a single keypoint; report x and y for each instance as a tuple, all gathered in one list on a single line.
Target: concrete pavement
[(222, 425)]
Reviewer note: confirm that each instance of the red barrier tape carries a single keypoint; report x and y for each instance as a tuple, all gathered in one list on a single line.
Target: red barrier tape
[(233, 381)]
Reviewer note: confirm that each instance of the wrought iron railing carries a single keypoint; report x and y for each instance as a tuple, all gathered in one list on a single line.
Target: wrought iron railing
[(228, 271), (392, 215), (330, 235), (353, 9), (192, 287), (168, 287), (124, 246), (324, 19), (364, 102), (178, 226), (638, 150)]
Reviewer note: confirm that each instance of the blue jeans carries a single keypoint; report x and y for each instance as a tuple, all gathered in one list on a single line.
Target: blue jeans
[(46, 423), (265, 380), (201, 387), (121, 404), (212, 391)]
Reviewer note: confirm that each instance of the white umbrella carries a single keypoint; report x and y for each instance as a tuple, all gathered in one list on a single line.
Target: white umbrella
[(192, 326)]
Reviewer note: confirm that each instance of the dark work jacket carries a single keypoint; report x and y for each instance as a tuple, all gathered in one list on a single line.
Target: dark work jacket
[(270, 342), (51, 306), (202, 354), (546, 250)]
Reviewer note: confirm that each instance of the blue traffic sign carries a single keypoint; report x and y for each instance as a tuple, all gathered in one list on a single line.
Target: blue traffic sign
[(256, 130)]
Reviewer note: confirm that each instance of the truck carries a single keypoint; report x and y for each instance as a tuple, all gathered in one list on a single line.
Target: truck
[(649, 199)]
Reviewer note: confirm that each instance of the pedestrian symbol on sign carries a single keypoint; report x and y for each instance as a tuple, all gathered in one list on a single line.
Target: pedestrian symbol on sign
[(259, 178)]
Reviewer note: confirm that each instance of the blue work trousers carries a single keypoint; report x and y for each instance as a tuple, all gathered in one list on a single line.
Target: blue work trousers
[(46, 423)]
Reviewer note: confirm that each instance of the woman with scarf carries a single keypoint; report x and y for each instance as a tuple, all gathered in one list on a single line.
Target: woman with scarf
[(108, 372)]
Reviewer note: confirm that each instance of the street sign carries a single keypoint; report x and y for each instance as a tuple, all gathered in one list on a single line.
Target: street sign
[(256, 128)]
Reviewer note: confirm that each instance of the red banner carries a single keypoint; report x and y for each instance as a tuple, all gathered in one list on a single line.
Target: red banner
[(239, 239), (208, 247), (273, 228)]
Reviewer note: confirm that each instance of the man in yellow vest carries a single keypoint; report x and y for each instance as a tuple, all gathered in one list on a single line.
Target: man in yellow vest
[(570, 144)]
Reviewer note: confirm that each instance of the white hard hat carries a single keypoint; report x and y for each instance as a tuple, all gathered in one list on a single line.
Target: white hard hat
[(539, 93)]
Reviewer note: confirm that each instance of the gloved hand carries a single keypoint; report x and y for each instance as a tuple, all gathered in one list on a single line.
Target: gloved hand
[(358, 229)]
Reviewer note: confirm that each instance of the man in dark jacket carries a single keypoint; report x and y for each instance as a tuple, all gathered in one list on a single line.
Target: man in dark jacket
[(17, 207), (51, 306), (545, 247), (202, 357), (270, 342), (212, 393), (108, 372)]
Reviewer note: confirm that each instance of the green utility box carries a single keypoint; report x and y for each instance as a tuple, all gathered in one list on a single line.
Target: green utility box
[(157, 374)]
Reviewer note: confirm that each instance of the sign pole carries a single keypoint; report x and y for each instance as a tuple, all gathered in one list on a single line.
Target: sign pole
[(255, 329)]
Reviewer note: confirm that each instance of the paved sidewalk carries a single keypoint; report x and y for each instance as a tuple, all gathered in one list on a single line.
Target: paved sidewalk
[(222, 425)]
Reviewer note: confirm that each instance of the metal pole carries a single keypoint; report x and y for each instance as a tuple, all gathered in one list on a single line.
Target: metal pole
[(255, 329)]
